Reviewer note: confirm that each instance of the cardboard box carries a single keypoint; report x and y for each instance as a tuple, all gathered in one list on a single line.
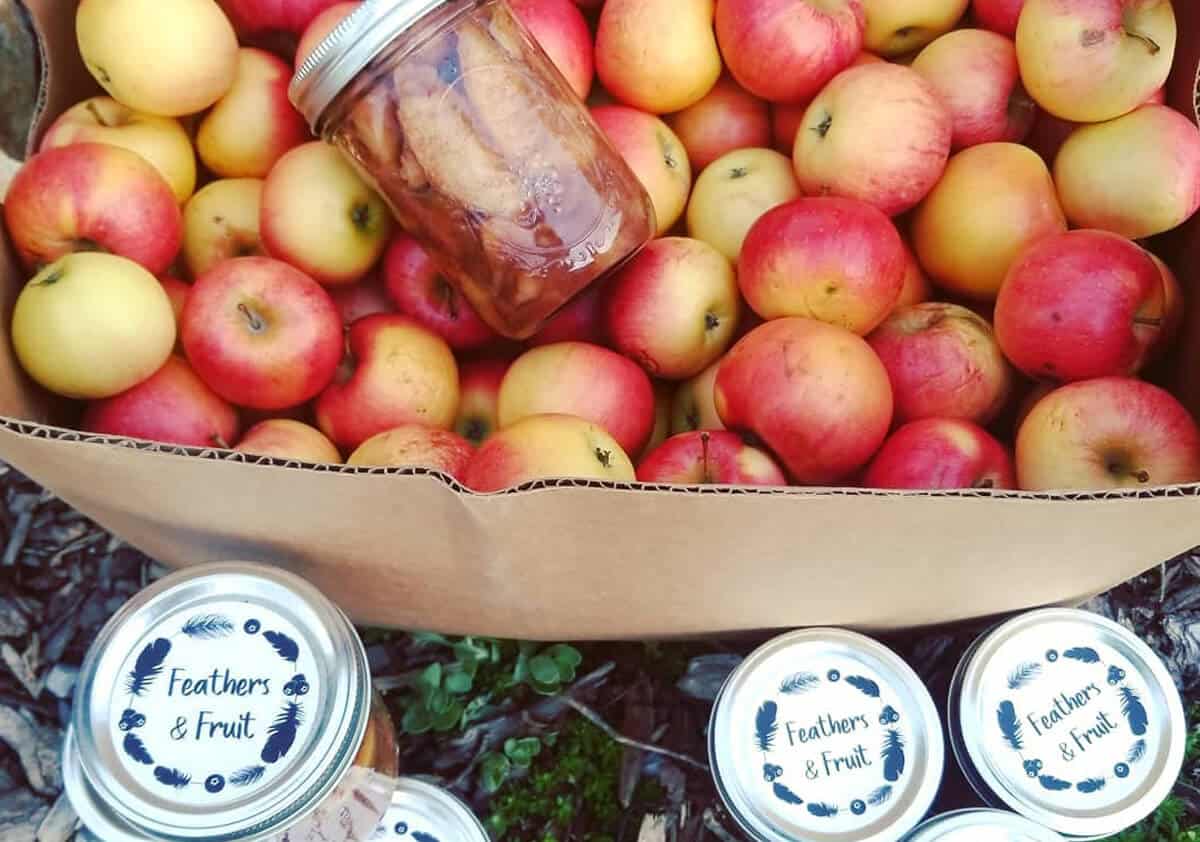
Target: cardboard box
[(578, 560)]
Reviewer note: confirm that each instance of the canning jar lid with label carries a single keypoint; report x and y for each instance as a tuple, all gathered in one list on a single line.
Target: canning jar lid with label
[(823, 735), (226, 701), (422, 812), (982, 826), (1068, 719)]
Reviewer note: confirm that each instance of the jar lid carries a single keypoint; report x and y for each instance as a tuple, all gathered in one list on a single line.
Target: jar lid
[(223, 702), (823, 735), (422, 812), (982, 826), (348, 48), (1068, 719)]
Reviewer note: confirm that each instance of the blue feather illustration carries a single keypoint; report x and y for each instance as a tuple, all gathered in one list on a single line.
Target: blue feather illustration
[(1133, 711), (418, 836), (147, 666), (1053, 784), (1137, 752), (1085, 654), (208, 627), (879, 796), (171, 777), (136, 749), (1023, 675), (282, 733), (247, 776), (801, 682), (284, 645), (1010, 726), (864, 685), (786, 795), (1091, 785), (765, 727), (823, 811), (893, 756)]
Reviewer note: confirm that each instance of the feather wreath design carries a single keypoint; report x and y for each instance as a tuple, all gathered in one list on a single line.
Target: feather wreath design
[(148, 666), (765, 726), (1010, 725), (282, 733)]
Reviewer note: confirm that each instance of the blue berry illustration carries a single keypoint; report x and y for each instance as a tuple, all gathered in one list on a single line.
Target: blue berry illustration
[(131, 719), (834, 675), (1121, 770), (251, 626), (401, 828), (1052, 655), (297, 686), (1115, 676), (889, 716), (214, 783), (772, 773), (858, 807), (1033, 768)]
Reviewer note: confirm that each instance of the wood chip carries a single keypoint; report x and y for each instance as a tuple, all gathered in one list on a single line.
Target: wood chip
[(60, 822), (37, 748)]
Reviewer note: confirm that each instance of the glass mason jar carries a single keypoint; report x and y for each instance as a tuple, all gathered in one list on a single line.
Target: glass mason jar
[(229, 702), (451, 110)]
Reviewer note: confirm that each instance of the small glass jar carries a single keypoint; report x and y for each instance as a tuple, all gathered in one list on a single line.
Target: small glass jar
[(456, 116), (981, 826), (229, 702)]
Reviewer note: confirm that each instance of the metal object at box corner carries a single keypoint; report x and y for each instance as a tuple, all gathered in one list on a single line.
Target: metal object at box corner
[(825, 735), (1068, 719)]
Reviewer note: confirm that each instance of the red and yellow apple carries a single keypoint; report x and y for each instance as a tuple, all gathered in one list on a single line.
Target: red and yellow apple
[(877, 132), (479, 388), (540, 447), (91, 325), (727, 118), (941, 453), (92, 197), (787, 117), (897, 27), (998, 15), (994, 201), (397, 372), (587, 381), (1080, 305), (693, 407), (318, 215), (840, 261), (177, 292), (286, 438), (655, 155), (673, 308), (320, 27), (415, 446), (915, 288), (814, 393), (364, 298), (709, 458), (943, 362), (733, 192), (261, 333), (562, 32), (1111, 432), (220, 222), (274, 21), (172, 406)]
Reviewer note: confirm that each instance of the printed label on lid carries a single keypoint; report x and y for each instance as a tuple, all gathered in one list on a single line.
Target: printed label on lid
[(211, 704)]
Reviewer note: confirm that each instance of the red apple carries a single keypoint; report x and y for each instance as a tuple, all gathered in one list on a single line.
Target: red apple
[(320, 27), (814, 393), (397, 372), (561, 30), (416, 446), (944, 362), (975, 73), (998, 15), (285, 438), (421, 292), (1111, 432), (709, 458), (92, 197), (655, 155), (727, 118), (541, 447), (941, 453), (479, 386), (588, 381), (578, 321), (364, 298), (673, 308), (864, 110), (841, 261), (787, 50), (273, 21), (262, 334), (172, 406), (1080, 305)]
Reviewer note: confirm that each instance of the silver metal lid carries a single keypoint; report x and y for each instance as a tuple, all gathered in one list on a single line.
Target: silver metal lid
[(223, 702), (825, 735), (343, 53), (982, 826), (1068, 719), (421, 812)]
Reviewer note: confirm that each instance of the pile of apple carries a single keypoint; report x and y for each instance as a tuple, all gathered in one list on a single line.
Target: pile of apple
[(902, 244)]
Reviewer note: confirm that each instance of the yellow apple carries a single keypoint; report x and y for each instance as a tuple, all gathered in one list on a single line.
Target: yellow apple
[(734, 191), (220, 222), (896, 27)]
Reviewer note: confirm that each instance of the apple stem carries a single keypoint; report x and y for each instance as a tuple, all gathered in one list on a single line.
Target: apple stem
[(706, 474), (986, 483), (1142, 477), (219, 441), (1150, 43), (256, 324), (711, 321), (824, 126), (605, 457)]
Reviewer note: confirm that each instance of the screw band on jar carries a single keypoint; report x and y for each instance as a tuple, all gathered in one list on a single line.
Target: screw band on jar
[(228, 701), (981, 826), (1068, 719), (825, 734), (422, 812)]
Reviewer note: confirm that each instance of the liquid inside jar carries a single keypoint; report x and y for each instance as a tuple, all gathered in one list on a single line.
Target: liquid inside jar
[(485, 154)]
